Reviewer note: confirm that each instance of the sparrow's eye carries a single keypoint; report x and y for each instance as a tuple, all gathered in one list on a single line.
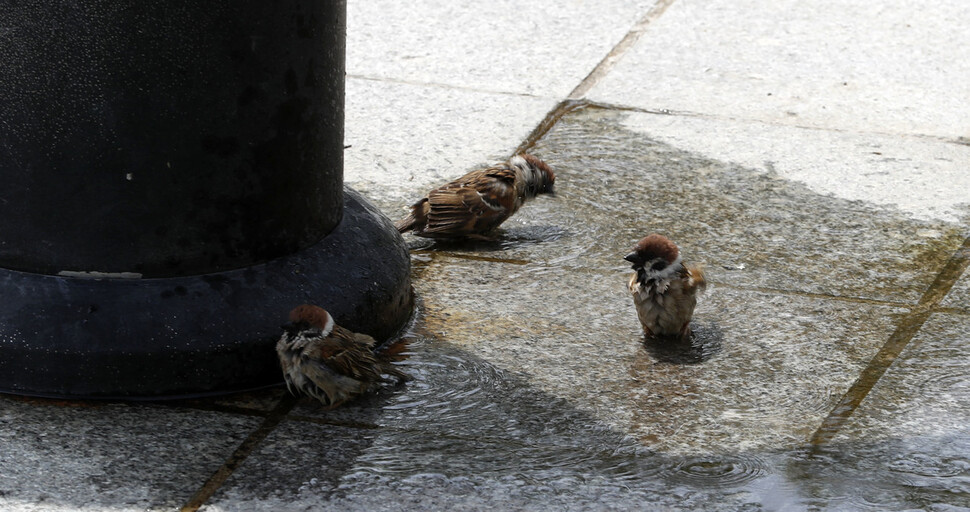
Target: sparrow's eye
[(658, 265)]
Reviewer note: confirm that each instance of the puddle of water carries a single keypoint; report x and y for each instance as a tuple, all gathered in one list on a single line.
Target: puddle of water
[(704, 343), (927, 473), (532, 378), (465, 431), (465, 426), (717, 471)]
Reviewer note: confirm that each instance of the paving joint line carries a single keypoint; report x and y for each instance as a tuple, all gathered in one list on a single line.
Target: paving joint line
[(441, 85), (817, 295), (905, 331), (759, 289), (242, 452), (618, 51), (564, 107), (754, 120)]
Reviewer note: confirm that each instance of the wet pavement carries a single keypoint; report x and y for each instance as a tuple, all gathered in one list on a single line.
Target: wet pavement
[(829, 369)]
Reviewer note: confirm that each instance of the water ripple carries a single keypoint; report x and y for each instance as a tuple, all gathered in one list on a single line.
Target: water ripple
[(717, 470)]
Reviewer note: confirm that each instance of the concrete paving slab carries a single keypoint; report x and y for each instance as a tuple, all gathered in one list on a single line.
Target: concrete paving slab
[(925, 178), (541, 48), (547, 302), (766, 368), (909, 440), (751, 226), (93, 456), (298, 460), (405, 138), (410, 472), (850, 65), (926, 392)]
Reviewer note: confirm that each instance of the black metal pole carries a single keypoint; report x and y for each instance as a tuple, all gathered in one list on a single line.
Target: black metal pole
[(171, 184)]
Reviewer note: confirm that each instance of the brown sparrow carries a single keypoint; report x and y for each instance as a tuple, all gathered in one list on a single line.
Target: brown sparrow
[(479, 201), (664, 289), (321, 359)]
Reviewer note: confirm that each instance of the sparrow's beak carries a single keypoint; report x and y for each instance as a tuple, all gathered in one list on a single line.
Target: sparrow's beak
[(632, 257), (289, 328)]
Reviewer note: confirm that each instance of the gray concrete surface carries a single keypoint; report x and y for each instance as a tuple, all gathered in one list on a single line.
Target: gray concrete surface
[(829, 368), (835, 64), (959, 296)]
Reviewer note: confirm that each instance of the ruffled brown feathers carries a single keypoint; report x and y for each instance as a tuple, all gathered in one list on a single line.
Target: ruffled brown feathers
[(326, 361), (664, 289), (475, 204)]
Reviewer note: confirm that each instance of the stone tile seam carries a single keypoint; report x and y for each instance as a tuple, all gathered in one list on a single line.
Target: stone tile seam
[(240, 454), (554, 116), (906, 329), (759, 289), (440, 85), (960, 141), (617, 52)]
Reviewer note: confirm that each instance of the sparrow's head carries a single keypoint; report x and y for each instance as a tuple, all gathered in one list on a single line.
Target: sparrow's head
[(309, 317), (539, 176), (654, 253)]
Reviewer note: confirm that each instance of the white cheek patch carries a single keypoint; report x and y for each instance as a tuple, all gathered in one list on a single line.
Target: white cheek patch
[(327, 327), (667, 272)]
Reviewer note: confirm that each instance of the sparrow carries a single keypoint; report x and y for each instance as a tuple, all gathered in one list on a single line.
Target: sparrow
[(332, 364), (664, 289), (478, 202)]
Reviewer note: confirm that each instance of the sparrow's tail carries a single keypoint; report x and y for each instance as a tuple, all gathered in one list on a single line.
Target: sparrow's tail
[(389, 369), (417, 219), (697, 278), (406, 224), (389, 352)]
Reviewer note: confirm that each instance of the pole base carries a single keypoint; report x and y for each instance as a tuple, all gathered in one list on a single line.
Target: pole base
[(96, 337)]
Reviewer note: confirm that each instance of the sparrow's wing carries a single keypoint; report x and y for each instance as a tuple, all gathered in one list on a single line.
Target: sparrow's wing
[(341, 352), (476, 202), (363, 339)]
